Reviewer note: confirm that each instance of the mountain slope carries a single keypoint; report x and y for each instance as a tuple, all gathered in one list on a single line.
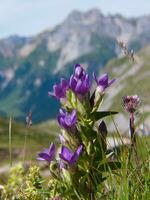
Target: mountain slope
[(38, 137), (30, 66), (131, 78)]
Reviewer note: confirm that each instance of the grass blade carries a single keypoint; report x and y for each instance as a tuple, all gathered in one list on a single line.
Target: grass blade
[(10, 142)]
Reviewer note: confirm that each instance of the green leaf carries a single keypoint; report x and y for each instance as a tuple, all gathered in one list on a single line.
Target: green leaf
[(67, 177), (114, 165), (102, 114), (71, 98), (110, 166)]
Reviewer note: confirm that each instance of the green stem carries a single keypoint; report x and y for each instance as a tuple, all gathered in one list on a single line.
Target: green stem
[(10, 143), (133, 140), (132, 131), (90, 187), (76, 193), (25, 143)]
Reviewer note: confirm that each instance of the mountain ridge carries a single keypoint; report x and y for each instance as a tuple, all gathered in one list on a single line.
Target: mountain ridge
[(29, 66)]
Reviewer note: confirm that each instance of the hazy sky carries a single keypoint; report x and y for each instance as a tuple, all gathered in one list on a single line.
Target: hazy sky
[(27, 17)]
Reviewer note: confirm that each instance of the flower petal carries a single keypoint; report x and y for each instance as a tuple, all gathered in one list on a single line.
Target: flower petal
[(78, 70), (73, 159), (103, 80), (64, 85), (79, 88), (58, 91), (52, 149), (62, 112), (95, 78), (76, 154), (66, 154), (51, 94), (73, 117), (111, 82), (79, 149), (44, 156), (72, 82)]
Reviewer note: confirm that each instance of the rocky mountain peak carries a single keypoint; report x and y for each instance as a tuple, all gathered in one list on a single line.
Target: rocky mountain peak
[(28, 64)]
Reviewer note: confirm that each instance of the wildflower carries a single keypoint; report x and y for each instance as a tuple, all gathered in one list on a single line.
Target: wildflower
[(29, 119), (47, 154), (125, 50), (79, 81), (131, 103), (67, 120), (59, 91), (103, 82), (123, 46), (69, 156)]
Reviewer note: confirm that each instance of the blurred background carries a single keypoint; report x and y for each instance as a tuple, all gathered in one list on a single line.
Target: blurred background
[(40, 41)]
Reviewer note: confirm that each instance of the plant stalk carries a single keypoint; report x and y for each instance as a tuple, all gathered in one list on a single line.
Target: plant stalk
[(10, 142), (133, 139), (25, 144)]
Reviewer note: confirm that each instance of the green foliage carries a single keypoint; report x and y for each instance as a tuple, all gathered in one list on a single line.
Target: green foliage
[(23, 185), (97, 173), (35, 139), (131, 78), (102, 114), (130, 182), (32, 188), (80, 180), (14, 183)]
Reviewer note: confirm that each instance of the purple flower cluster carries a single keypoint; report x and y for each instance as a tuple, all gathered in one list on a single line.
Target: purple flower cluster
[(66, 121), (79, 84), (79, 81)]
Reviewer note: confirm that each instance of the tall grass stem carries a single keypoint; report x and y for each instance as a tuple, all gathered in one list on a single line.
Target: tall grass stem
[(10, 141), (25, 144)]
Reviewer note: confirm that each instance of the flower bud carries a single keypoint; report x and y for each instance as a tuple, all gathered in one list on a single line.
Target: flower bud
[(103, 133)]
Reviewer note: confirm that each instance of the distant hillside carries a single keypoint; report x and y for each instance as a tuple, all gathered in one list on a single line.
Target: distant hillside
[(132, 78), (30, 66), (38, 137)]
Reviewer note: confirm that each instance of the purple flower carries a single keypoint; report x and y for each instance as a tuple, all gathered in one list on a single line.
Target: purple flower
[(79, 81), (59, 91), (70, 157), (79, 71), (47, 154), (131, 103), (67, 120), (103, 82)]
